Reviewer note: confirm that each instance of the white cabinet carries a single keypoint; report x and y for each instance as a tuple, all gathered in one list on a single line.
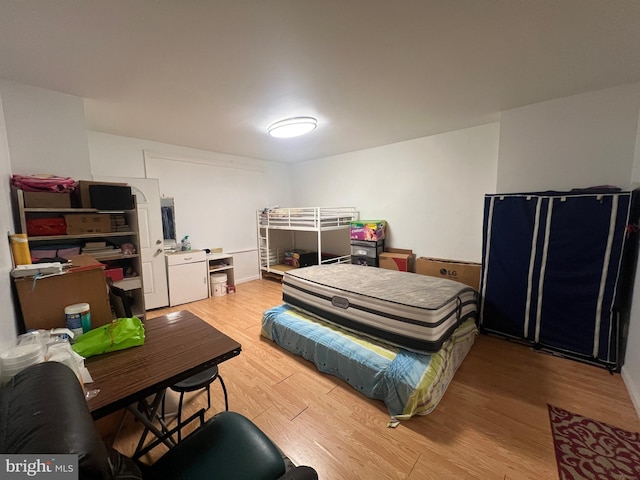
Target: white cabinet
[(188, 276), (221, 263)]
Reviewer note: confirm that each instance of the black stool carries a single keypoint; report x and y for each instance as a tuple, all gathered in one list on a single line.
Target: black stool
[(198, 381)]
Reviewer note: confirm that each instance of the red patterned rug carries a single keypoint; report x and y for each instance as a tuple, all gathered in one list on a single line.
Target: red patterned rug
[(587, 449)]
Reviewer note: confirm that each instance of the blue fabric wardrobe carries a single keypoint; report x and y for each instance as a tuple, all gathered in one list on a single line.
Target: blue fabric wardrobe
[(558, 269)]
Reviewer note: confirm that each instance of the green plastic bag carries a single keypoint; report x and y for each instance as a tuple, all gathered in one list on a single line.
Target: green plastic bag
[(118, 335)]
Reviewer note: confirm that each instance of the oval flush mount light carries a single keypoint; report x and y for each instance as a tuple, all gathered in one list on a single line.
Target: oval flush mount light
[(292, 127)]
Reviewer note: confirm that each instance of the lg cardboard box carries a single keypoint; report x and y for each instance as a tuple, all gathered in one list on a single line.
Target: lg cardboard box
[(398, 259), (464, 272)]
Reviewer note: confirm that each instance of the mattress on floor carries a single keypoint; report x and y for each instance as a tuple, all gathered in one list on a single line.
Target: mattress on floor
[(408, 383), (412, 311)]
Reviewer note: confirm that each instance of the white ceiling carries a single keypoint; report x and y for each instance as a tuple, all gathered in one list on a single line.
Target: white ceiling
[(213, 74)]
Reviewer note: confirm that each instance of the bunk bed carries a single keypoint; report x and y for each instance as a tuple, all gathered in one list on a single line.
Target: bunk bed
[(279, 231)]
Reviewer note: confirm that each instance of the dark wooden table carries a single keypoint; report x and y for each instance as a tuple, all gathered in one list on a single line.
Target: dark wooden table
[(177, 345)]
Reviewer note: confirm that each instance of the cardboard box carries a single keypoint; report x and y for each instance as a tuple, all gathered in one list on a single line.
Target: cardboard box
[(367, 230), (83, 194), (398, 259), (84, 262), (47, 200), (460, 271), (42, 302), (79, 223)]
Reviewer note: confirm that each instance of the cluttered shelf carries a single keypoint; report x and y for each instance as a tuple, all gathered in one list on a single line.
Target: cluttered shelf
[(221, 273), (93, 221)]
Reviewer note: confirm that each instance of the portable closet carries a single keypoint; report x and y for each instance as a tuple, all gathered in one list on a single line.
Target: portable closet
[(553, 271)]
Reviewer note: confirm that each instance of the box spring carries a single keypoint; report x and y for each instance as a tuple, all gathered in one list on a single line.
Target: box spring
[(412, 311)]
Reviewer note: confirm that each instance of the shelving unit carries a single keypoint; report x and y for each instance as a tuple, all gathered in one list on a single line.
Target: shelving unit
[(282, 230), (221, 263), (128, 262)]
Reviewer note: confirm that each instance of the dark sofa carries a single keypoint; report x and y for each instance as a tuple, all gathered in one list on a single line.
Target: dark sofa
[(43, 411)]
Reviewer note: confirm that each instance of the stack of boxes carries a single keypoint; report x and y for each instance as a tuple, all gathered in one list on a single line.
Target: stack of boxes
[(367, 242)]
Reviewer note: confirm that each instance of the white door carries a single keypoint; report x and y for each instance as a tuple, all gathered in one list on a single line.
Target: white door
[(154, 269)]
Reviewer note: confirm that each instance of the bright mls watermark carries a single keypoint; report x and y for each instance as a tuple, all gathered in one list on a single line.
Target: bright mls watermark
[(50, 467)]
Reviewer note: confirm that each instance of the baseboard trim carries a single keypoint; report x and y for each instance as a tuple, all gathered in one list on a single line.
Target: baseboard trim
[(632, 388), (247, 279)]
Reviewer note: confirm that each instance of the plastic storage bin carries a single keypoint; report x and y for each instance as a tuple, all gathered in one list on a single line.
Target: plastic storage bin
[(218, 284), (367, 249)]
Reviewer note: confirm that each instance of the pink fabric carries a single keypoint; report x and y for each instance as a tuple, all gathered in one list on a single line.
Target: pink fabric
[(43, 183)]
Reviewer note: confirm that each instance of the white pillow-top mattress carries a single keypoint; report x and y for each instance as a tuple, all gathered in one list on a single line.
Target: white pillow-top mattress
[(412, 311)]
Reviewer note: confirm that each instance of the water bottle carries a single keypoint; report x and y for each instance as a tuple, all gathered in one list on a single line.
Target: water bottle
[(186, 243)]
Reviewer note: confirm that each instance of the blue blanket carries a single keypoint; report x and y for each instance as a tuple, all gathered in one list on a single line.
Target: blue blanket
[(407, 382)]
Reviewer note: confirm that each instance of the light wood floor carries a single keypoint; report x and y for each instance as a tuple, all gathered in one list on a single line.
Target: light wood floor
[(492, 423)]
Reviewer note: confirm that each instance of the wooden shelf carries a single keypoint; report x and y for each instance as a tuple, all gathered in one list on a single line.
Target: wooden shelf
[(133, 285), (108, 258), (41, 238), (70, 210), (221, 263), (220, 269)]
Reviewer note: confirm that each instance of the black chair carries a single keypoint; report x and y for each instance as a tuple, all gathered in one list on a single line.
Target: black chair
[(202, 380), (43, 411)]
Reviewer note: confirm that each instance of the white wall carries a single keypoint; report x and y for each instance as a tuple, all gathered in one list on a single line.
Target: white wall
[(635, 176), (429, 190), (8, 317), (40, 132), (575, 142), (216, 195), (631, 369), (46, 131), (572, 142)]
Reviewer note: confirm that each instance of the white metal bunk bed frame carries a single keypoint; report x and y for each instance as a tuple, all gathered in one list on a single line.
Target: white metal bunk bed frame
[(306, 219)]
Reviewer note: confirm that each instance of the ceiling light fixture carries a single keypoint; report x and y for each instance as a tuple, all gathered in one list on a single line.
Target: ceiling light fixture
[(292, 127)]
